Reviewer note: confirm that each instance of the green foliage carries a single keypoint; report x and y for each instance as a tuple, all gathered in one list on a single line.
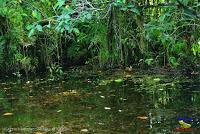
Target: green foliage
[(114, 33), (26, 63), (149, 61), (55, 72), (2, 42), (196, 49), (173, 61), (163, 34), (76, 52)]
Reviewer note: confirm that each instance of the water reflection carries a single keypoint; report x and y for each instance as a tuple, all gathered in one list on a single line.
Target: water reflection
[(140, 104)]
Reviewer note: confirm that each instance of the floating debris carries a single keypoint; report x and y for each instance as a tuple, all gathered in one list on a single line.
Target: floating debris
[(8, 114), (59, 111), (100, 123), (84, 130), (38, 133), (118, 80), (123, 99), (128, 76), (107, 108), (104, 82), (102, 97), (156, 79), (27, 82), (142, 117), (129, 69)]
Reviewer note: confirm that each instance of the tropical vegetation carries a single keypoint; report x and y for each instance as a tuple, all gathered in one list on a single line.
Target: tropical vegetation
[(49, 35)]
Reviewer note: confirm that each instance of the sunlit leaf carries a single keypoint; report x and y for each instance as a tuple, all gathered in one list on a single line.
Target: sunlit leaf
[(76, 30), (37, 15), (31, 32), (39, 28), (29, 27), (135, 10), (60, 3), (148, 61), (88, 16)]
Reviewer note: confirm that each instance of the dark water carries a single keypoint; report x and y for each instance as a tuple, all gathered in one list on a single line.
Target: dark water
[(88, 102)]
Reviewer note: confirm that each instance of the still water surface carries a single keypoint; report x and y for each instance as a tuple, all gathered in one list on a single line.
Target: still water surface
[(86, 102)]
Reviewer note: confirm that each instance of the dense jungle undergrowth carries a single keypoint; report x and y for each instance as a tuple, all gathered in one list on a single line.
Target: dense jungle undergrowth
[(51, 35)]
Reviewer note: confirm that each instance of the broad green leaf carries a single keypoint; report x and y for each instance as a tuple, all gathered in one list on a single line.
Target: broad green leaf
[(124, 8), (173, 61), (60, 3), (148, 61), (163, 16), (76, 30), (36, 15), (185, 2), (39, 28), (135, 10), (67, 27), (24, 14), (67, 17), (88, 16), (29, 27), (31, 32)]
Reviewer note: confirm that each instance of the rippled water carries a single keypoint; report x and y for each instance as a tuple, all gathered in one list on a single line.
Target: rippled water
[(138, 104)]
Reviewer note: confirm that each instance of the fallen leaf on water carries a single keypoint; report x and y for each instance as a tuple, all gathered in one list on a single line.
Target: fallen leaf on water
[(27, 82), (107, 108), (123, 99), (142, 117), (120, 110), (102, 97), (128, 76), (84, 130), (104, 82), (38, 133), (118, 80), (59, 111), (8, 114), (156, 79)]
